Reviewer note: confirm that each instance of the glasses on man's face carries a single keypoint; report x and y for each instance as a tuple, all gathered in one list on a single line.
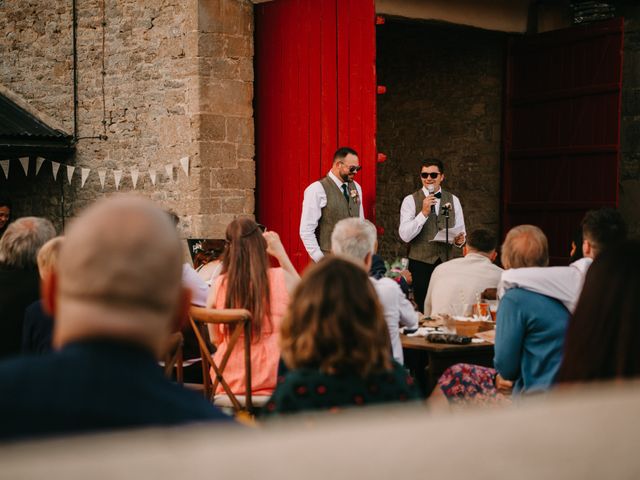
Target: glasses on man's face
[(354, 168), (433, 175)]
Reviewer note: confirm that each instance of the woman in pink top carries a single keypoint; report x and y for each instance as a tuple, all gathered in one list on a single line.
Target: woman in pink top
[(247, 281)]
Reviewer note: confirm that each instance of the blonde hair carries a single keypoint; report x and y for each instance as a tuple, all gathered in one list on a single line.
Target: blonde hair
[(48, 255), (525, 246)]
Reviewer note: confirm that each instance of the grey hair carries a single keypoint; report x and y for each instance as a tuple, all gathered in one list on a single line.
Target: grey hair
[(525, 246), (353, 238), (22, 240)]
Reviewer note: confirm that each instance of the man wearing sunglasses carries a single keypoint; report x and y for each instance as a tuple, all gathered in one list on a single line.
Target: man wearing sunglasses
[(420, 220), (328, 201)]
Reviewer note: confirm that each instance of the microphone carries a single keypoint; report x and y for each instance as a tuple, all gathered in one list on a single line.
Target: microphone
[(431, 189)]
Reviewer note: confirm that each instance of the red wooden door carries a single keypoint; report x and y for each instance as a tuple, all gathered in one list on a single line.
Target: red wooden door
[(315, 91), (562, 129)]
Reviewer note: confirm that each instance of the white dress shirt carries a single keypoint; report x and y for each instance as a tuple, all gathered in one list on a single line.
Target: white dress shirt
[(411, 224), (397, 311), (562, 283), (199, 288), (458, 281), (315, 199)]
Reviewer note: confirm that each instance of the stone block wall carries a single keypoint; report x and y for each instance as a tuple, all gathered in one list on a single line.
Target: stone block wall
[(443, 100), (630, 136), (177, 82)]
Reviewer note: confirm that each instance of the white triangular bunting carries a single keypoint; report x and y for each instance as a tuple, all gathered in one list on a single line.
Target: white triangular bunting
[(184, 163), (84, 174), (152, 175), (102, 174), (39, 162), (70, 170), (24, 161), (55, 166), (5, 167), (168, 168), (117, 176), (134, 177)]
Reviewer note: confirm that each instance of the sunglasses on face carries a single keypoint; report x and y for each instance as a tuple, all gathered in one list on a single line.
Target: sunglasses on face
[(433, 175), (355, 168)]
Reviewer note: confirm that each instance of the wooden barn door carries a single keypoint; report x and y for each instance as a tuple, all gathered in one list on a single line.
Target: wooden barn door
[(315, 91), (562, 129)]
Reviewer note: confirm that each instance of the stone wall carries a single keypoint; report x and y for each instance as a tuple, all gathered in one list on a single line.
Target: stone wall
[(444, 100), (177, 82), (630, 138)]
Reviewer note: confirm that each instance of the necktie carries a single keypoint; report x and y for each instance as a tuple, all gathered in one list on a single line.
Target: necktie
[(344, 191), (438, 195)]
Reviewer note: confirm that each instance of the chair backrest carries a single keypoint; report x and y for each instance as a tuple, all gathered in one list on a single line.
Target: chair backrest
[(172, 356), (200, 318)]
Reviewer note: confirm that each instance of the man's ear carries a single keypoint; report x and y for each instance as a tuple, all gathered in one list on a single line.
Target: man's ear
[(587, 248), (465, 250), (182, 314), (49, 291), (368, 260), (493, 255)]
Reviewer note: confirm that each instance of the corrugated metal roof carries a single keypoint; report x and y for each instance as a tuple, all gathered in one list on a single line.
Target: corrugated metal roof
[(16, 122)]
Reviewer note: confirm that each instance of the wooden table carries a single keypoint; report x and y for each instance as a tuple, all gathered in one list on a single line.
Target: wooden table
[(427, 361)]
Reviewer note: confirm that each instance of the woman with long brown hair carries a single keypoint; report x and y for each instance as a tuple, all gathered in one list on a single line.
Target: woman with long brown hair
[(336, 344), (247, 281), (603, 338)]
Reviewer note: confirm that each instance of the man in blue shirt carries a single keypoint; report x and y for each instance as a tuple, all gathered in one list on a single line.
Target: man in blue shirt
[(530, 327)]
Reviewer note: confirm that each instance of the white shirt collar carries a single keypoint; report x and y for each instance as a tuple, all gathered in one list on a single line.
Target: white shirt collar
[(336, 180), (426, 192)]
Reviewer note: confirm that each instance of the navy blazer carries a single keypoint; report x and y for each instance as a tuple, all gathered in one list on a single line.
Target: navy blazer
[(93, 385)]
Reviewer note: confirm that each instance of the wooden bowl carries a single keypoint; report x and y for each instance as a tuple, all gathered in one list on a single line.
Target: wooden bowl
[(467, 328)]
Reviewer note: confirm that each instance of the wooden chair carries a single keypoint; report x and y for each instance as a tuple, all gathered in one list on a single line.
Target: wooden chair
[(172, 356), (200, 318)]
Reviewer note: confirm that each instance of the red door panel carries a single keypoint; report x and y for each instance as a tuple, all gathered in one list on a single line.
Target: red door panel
[(562, 129), (315, 91)]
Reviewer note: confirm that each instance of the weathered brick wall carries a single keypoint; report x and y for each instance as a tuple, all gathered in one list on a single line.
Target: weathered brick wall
[(444, 88), (178, 82), (630, 138)]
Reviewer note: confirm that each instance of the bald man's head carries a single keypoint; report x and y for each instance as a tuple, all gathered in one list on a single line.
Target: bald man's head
[(119, 274), (525, 246)]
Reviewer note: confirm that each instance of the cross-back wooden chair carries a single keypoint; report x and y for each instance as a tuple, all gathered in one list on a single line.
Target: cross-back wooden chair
[(172, 356), (200, 318)]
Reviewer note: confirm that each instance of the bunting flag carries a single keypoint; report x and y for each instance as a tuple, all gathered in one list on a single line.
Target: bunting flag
[(84, 174), (184, 163), (102, 175), (70, 170), (5, 168), (39, 162), (134, 177), (117, 176), (55, 166), (24, 161)]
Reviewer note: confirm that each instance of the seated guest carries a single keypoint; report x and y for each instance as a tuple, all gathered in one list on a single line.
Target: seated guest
[(19, 280), (530, 327), (335, 344), (38, 324), (247, 281), (603, 338), (601, 229), (460, 280), (5, 214), (530, 330), (355, 238), (114, 308)]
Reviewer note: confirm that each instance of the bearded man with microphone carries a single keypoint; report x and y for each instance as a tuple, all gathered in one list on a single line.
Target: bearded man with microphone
[(422, 217)]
